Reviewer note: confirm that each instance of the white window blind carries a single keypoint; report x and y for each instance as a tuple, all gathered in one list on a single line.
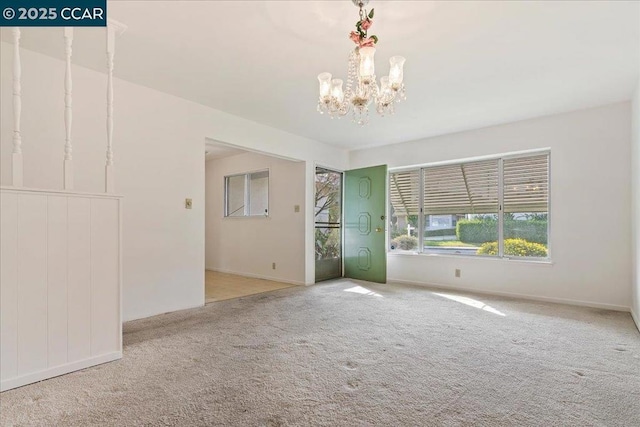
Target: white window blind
[(404, 192), (526, 184), (463, 188)]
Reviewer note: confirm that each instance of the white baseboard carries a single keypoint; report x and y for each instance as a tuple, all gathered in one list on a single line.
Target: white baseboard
[(258, 276), (636, 319), (165, 311), (33, 377), (516, 295)]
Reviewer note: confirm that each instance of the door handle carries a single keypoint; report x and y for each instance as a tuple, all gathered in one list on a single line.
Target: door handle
[(379, 229)]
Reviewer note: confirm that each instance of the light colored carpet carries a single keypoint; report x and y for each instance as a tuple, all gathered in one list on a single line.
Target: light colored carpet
[(222, 286), (346, 353)]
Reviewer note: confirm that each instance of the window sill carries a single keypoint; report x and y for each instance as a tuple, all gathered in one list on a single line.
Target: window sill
[(541, 262)]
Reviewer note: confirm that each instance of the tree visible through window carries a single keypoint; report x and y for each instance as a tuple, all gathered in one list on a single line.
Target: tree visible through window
[(328, 229), (328, 211)]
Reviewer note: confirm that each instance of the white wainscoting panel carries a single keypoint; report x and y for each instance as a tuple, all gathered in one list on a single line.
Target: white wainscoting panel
[(60, 283), (8, 285), (105, 327), (32, 283), (79, 273), (57, 279)]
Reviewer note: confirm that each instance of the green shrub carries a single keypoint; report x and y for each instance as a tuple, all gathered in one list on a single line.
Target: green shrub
[(406, 243), (532, 230), (396, 233), (477, 231), (486, 230), (516, 247)]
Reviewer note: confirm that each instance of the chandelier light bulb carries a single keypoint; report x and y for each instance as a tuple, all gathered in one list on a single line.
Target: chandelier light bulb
[(336, 90), (396, 73), (325, 84), (384, 85), (367, 66)]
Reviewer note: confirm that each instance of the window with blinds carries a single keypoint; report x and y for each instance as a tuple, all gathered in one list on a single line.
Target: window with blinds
[(495, 207), (525, 206), (526, 184)]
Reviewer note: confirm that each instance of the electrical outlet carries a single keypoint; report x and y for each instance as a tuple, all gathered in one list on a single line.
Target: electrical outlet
[(273, 265), (457, 272), (296, 208), (188, 203)]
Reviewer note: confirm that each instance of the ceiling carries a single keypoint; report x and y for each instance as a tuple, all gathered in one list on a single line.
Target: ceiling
[(469, 64), (216, 150)]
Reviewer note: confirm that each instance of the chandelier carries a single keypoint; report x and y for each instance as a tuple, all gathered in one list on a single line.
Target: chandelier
[(361, 89)]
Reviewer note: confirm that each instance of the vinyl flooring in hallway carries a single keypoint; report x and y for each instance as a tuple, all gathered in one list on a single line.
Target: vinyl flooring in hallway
[(224, 286)]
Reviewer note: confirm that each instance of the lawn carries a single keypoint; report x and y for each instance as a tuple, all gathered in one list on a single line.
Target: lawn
[(448, 243)]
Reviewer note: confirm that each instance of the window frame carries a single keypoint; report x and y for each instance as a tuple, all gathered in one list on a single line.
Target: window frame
[(247, 194), (500, 159)]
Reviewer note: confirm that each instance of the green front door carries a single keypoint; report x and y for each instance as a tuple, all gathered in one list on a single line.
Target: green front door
[(365, 254)]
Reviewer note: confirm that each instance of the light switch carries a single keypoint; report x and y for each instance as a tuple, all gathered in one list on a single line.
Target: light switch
[(296, 208), (188, 203)]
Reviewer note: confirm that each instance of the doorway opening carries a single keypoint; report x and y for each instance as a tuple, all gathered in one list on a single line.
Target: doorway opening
[(254, 222), (328, 224)]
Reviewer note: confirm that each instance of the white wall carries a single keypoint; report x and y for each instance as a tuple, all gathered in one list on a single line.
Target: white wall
[(159, 160), (635, 198), (249, 245), (590, 241)]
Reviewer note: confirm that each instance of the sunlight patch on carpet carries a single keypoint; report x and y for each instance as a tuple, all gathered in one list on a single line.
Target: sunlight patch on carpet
[(471, 302), (363, 291)]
